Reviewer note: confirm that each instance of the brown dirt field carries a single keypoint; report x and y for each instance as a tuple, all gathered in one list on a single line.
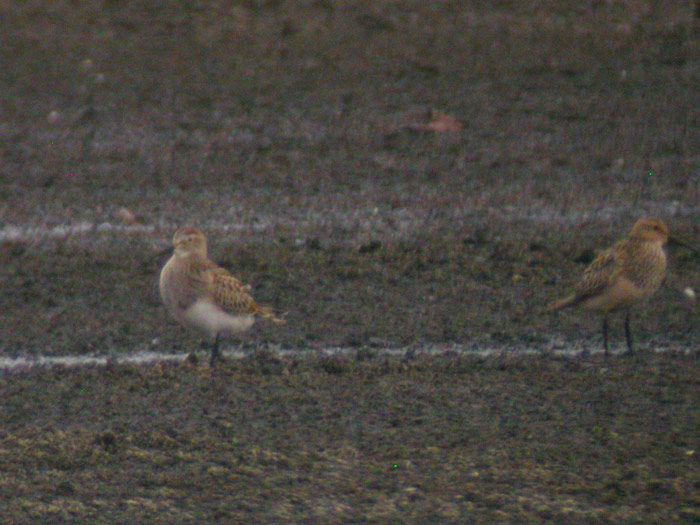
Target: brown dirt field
[(298, 135), (362, 439)]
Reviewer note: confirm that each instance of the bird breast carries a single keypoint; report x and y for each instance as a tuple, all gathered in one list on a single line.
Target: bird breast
[(646, 267)]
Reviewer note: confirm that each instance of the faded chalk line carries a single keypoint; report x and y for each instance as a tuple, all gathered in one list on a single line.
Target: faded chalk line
[(559, 349), (362, 219)]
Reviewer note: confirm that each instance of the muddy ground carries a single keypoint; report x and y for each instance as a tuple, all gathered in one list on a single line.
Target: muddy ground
[(368, 439), (389, 174)]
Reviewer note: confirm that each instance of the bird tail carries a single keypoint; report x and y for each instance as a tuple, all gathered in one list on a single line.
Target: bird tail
[(268, 313), (562, 303)]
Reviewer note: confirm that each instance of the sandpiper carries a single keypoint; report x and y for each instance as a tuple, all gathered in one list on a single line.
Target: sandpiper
[(621, 276), (199, 293)]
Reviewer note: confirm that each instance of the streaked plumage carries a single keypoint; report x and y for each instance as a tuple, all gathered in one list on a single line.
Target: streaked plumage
[(621, 276), (199, 293)]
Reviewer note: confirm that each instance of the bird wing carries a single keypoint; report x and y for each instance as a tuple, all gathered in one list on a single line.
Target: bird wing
[(599, 274), (228, 292), (206, 279)]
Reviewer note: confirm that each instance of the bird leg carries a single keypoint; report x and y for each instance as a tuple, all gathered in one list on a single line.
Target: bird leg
[(605, 335), (628, 332), (214, 351)]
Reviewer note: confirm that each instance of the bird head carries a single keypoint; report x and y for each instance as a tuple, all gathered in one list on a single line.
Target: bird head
[(651, 230), (190, 241)]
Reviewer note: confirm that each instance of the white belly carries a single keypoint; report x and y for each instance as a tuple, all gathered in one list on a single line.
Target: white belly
[(206, 316)]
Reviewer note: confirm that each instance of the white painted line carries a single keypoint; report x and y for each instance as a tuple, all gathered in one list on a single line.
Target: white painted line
[(571, 350)]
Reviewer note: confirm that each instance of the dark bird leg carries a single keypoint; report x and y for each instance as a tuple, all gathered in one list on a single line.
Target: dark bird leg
[(584, 353), (214, 351), (628, 333), (605, 335)]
